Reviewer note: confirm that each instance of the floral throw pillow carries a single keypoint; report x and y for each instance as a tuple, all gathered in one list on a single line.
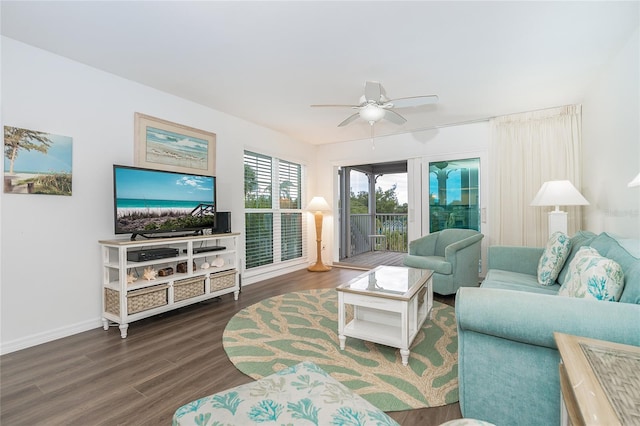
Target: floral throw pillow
[(553, 258), (592, 276)]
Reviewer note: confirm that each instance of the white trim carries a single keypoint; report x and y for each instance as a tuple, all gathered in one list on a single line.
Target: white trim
[(274, 154), (414, 193), (48, 336), (252, 276)]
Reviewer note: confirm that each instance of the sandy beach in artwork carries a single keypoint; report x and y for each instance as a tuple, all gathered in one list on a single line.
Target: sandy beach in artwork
[(12, 182), (21, 175)]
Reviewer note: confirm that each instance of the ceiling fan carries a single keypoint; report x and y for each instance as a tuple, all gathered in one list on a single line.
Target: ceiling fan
[(374, 105)]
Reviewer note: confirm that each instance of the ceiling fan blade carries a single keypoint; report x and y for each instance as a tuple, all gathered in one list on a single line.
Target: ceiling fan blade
[(349, 119), (372, 91), (413, 101), (394, 117), (332, 106)]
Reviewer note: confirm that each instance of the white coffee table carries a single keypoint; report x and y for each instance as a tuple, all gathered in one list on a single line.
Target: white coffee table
[(390, 304)]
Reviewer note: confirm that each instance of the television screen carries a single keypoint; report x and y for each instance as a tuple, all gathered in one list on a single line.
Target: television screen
[(154, 201)]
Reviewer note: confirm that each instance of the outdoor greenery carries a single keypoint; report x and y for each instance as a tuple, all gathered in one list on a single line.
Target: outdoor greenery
[(256, 198), (163, 220), (16, 139), (253, 197), (386, 202), (391, 219), (51, 184)]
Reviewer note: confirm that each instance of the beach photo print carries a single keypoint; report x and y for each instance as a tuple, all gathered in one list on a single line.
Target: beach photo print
[(36, 162), (163, 145)]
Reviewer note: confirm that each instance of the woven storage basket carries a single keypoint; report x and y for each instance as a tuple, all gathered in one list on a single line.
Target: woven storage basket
[(112, 301), (146, 298), (222, 280), (188, 288)]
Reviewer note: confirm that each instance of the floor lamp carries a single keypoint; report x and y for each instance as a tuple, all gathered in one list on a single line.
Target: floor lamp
[(318, 205), (558, 193)]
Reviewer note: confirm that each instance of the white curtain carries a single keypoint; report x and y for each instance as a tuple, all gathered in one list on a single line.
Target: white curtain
[(525, 151)]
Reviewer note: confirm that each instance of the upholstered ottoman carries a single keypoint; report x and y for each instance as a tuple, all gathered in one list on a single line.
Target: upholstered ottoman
[(466, 422), (302, 395)]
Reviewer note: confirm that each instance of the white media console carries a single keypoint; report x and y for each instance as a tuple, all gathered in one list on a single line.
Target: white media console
[(129, 296)]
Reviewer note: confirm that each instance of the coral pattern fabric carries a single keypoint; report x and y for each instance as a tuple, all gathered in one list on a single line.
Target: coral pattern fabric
[(592, 276), (553, 258), (303, 394)]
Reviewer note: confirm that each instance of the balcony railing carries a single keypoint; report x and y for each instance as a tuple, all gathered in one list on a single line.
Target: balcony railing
[(392, 225)]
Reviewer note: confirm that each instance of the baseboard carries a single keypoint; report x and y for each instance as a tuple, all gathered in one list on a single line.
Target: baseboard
[(48, 336), (252, 277), (40, 338), (346, 265)]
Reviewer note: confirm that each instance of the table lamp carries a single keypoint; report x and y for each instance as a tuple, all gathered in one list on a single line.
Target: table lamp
[(558, 193), (317, 206)]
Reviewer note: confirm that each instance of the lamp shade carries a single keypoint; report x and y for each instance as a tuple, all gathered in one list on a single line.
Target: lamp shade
[(372, 113), (318, 204), (635, 181), (559, 193)]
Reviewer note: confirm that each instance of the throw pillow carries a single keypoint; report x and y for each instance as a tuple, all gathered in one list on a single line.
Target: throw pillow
[(592, 276), (553, 258)]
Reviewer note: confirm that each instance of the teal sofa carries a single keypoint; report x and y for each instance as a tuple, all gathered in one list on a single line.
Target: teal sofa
[(452, 254), (508, 359)]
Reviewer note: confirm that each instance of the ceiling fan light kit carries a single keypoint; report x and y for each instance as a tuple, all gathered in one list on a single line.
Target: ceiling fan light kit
[(374, 105), (372, 113)]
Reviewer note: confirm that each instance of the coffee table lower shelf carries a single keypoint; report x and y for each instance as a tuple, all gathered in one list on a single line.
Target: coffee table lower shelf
[(384, 334)]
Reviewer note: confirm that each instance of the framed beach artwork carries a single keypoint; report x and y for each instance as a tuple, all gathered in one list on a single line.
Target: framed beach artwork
[(163, 145), (37, 162)]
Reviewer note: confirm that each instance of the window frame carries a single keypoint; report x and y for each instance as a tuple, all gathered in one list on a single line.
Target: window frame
[(279, 168)]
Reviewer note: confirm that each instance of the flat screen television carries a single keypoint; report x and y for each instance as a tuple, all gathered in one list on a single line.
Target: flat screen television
[(151, 202)]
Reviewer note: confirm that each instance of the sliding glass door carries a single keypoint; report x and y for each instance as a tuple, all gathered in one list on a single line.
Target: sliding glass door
[(454, 194)]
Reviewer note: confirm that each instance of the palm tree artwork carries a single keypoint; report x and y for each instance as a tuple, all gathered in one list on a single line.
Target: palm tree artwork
[(36, 162)]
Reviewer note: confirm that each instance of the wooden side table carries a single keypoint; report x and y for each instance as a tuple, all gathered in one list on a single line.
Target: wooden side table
[(599, 381)]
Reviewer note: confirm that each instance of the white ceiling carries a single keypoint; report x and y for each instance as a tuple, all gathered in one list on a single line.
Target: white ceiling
[(266, 61)]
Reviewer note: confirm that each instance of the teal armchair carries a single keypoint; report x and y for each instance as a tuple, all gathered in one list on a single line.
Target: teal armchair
[(453, 255)]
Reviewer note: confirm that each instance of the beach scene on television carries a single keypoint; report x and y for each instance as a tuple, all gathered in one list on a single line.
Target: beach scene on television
[(149, 201), (36, 162)]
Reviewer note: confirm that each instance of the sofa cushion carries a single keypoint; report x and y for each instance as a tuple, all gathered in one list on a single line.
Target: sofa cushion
[(553, 258), (580, 239), (508, 280), (592, 276), (435, 263), (609, 247)]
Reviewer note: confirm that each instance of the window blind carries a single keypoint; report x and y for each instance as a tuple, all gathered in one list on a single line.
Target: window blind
[(289, 180), (257, 181), (273, 214)]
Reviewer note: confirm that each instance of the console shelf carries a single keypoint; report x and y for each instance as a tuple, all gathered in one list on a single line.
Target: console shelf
[(129, 296)]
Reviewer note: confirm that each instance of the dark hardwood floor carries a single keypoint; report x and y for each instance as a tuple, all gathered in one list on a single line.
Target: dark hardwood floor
[(97, 378)]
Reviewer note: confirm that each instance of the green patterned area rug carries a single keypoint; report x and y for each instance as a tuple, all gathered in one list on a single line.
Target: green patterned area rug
[(302, 326)]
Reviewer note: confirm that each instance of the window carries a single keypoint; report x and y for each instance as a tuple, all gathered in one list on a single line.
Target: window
[(454, 194), (273, 210)]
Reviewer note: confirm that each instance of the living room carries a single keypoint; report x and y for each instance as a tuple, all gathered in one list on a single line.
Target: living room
[(50, 254)]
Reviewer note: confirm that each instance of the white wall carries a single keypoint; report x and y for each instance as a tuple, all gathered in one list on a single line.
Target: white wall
[(463, 141), (50, 259), (50, 265), (611, 145)]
